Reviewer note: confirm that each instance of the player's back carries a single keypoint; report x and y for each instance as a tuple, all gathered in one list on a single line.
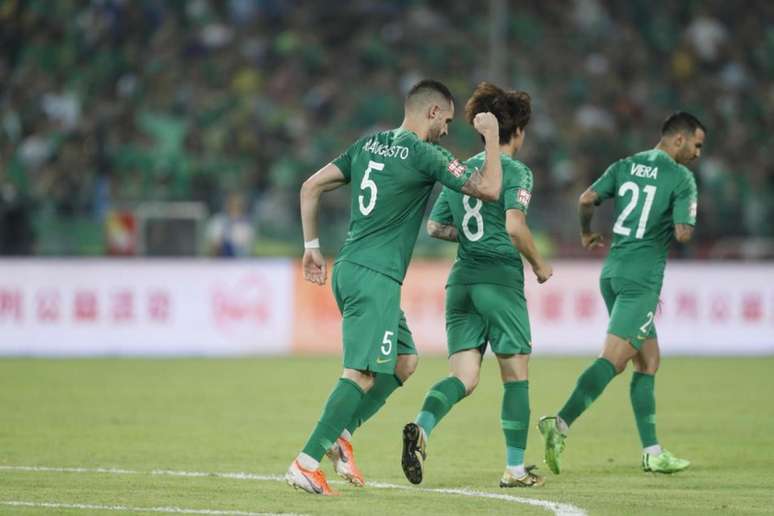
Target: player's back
[(392, 175), (652, 193), (486, 253)]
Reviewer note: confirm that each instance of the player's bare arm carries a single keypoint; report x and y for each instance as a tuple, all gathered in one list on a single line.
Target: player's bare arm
[(586, 203), (324, 180), (441, 231), (683, 233), (486, 183), (521, 236)]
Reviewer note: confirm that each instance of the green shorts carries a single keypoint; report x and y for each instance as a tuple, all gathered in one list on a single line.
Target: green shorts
[(631, 307), (374, 327), (486, 313)]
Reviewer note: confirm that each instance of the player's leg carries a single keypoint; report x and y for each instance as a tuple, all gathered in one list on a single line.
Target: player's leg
[(514, 418), (465, 335), (643, 398), (505, 312), (386, 383), (642, 394), (592, 382), (464, 369), (369, 303), (626, 317), (342, 453)]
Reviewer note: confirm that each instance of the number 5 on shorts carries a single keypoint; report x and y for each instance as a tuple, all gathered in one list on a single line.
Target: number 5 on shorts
[(387, 341)]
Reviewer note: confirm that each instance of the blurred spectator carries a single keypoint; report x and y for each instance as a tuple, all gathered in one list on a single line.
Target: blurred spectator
[(230, 232), (106, 103)]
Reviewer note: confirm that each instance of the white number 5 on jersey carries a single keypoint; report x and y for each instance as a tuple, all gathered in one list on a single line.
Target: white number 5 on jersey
[(368, 184)]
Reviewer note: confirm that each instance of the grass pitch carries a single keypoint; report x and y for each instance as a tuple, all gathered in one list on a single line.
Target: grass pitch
[(252, 416)]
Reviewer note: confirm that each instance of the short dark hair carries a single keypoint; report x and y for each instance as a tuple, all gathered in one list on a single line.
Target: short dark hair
[(512, 108), (426, 88), (681, 122)]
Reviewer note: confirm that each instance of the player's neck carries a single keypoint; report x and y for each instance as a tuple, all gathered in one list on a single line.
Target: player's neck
[(416, 128), (665, 148), (509, 150)]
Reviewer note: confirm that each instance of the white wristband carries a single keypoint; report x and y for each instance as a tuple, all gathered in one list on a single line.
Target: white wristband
[(312, 244)]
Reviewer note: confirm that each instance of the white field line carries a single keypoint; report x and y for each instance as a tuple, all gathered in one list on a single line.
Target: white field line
[(124, 508), (559, 509)]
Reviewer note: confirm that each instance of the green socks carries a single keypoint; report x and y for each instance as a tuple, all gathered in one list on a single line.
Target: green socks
[(643, 399), (384, 385), (439, 400), (340, 407), (515, 420), (590, 385)]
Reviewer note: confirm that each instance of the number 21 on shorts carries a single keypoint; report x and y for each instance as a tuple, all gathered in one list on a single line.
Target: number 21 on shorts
[(644, 327)]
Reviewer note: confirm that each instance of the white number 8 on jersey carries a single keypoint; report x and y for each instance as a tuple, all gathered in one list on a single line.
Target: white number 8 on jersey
[(472, 212)]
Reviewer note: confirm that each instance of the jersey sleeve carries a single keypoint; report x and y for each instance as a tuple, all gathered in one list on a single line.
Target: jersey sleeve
[(605, 184), (686, 202), (440, 165), (441, 212), (344, 160), (517, 196)]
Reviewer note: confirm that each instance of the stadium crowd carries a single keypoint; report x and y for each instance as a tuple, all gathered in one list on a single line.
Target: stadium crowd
[(107, 103)]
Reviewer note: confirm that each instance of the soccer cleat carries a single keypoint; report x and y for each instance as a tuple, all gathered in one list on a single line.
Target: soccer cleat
[(414, 453), (554, 441), (664, 462), (311, 481), (343, 457), (529, 479)]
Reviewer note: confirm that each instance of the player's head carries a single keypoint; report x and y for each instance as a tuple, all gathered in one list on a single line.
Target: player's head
[(512, 109), (682, 135), (430, 104)]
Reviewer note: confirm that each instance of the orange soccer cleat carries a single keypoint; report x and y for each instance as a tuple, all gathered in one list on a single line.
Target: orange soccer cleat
[(343, 457), (311, 481)]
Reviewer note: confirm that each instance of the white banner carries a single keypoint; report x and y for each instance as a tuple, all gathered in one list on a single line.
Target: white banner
[(145, 307), (705, 309), (202, 307)]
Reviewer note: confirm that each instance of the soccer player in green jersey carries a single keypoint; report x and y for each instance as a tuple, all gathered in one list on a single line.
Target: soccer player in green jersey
[(392, 175), (485, 301), (655, 197)]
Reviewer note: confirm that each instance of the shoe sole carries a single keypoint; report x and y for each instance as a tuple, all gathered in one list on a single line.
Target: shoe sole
[(551, 458), (670, 472), (412, 465), (352, 479), (509, 486)]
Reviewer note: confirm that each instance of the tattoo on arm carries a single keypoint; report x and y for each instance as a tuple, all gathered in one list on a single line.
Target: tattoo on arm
[(472, 186), (441, 231)]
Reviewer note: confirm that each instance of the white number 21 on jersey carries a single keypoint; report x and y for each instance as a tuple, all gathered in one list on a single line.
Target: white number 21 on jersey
[(650, 194), (368, 184)]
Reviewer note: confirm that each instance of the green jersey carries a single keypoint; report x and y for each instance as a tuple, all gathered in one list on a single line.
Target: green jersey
[(486, 253), (652, 193), (393, 173)]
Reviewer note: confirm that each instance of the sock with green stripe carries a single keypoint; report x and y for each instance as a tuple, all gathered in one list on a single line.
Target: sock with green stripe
[(384, 385), (439, 400), (590, 385), (514, 417), (338, 410), (641, 392)]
